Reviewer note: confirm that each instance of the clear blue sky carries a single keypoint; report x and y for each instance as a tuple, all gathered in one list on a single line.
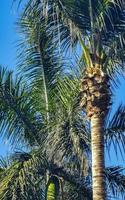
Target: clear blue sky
[(8, 39), (8, 35)]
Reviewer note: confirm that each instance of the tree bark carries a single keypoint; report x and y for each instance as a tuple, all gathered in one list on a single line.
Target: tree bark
[(98, 163)]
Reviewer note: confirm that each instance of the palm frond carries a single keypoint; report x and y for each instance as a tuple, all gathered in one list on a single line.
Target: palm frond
[(52, 189), (26, 177), (18, 119), (23, 180), (4, 162), (40, 64), (41, 69), (115, 130), (74, 181), (115, 182), (68, 141)]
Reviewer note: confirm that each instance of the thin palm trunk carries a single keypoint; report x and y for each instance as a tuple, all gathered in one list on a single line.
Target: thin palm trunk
[(96, 99), (98, 158), (97, 137)]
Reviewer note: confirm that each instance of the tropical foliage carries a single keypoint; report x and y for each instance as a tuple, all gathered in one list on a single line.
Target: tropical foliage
[(40, 107)]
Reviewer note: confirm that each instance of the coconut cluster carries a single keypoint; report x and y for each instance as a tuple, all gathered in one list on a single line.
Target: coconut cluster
[(95, 91)]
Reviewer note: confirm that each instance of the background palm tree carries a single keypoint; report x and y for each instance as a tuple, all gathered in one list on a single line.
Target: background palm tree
[(50, 28)]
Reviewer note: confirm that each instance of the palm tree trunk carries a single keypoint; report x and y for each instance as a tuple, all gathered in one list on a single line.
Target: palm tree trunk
[(95, 99), (98, 164)]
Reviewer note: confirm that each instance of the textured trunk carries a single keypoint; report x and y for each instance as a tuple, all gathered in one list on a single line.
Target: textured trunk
[(95, 99), (98, 158)]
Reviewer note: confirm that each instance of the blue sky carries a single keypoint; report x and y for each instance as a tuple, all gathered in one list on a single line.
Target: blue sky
[(8, 41), (8, 38)]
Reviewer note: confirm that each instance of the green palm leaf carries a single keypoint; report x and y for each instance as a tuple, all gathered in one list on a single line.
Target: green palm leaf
[(114, 132), (18, 119), (52, 190)]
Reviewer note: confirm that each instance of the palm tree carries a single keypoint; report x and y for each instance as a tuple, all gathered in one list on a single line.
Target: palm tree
[(25, 176), (99, 26)]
